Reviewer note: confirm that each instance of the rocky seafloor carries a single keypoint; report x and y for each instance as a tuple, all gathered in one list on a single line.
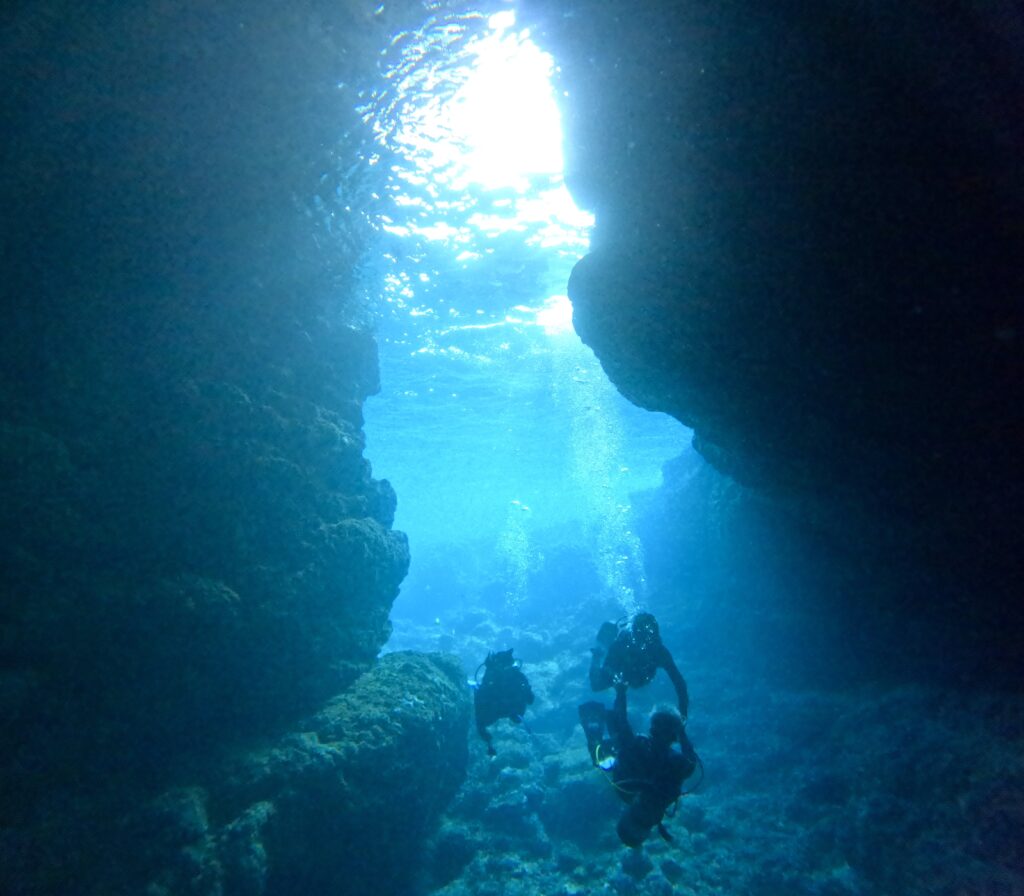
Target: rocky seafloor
[(873, 789)]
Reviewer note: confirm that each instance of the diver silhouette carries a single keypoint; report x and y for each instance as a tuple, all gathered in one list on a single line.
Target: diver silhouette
[(647, 771), (504, 693), (630, 653)]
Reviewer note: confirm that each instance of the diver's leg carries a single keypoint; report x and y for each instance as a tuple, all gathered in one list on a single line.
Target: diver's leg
[(600, 677), (486, 736), (607, 634), (618, 719)]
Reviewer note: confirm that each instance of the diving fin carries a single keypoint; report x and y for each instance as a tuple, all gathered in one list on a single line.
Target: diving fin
[(592, 718)]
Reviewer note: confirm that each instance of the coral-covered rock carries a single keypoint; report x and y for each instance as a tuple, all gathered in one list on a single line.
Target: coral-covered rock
[(344, 805)]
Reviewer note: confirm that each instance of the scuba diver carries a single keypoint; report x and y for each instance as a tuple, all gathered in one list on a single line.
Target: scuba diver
[(504, 693), (630, 653), (646, 770)]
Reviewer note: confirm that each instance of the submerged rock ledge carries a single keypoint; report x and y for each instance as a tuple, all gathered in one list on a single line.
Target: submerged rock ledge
[(330, 806)]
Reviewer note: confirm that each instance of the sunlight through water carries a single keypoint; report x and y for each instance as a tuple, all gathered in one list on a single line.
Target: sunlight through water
[(505, 113), (496, 425), (496, 140)]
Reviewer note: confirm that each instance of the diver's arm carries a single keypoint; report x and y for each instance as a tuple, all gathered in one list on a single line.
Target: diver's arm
[(678, 682)]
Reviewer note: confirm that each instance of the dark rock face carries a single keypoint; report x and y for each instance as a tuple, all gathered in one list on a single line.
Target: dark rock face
[(194, 550), (772, 602), (190, 532), (808, 248)]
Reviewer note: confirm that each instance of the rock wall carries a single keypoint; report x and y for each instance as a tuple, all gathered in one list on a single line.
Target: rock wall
[(195, 553), (808, 248), (772, 602)]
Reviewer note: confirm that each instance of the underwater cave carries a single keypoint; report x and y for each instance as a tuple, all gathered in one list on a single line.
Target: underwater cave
[(349, 345)]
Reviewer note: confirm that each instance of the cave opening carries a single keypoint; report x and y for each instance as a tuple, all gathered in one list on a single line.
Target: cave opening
[(514, 458)]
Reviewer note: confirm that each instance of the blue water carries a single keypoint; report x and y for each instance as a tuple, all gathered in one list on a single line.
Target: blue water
[(497, 427)]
